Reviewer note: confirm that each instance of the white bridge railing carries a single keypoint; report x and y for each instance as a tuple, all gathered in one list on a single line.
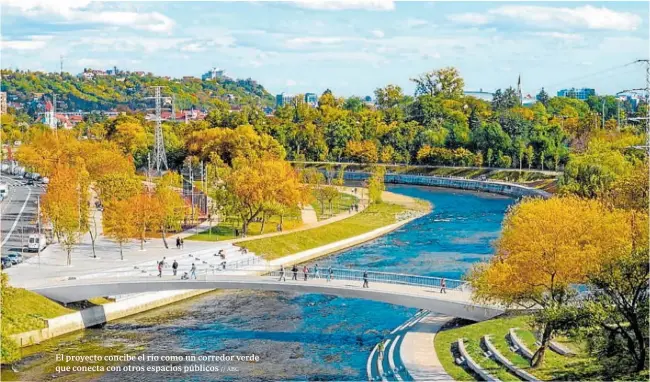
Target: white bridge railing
[(380, 277)]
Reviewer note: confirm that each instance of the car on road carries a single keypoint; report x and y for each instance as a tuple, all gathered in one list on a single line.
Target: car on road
[(30, 182), (16, 258), (6, 263), (36, 242)]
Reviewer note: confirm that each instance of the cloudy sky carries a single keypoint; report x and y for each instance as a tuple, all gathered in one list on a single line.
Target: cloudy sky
[(351, 46)]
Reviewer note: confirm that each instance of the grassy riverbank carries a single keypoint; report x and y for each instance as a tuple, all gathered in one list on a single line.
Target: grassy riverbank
[(556, 367), (23, 310), (373, 217)]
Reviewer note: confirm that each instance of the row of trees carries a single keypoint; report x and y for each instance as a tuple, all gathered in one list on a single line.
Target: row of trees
[(396, 129), (594, 235)]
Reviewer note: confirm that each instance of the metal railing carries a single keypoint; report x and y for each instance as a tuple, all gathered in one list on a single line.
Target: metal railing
[(379, 277), (226, 265)]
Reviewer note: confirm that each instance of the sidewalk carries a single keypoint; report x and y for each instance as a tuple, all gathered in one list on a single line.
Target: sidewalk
[(418, 353)]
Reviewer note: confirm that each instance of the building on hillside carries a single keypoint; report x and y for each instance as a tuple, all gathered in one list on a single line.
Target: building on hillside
[(528, 100), (581, 94), (311, 99), (480, 94), (283, 99), (213, 74), (3, 102)]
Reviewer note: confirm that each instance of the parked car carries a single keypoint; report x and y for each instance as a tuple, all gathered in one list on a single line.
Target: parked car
[(30, 182), (6, 263), (36, 242), (16, 258)]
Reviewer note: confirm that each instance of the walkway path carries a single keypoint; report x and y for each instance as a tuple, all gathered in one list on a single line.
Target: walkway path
[(309, 215), (418, 353)]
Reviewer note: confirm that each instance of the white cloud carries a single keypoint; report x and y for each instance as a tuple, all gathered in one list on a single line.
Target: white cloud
[(291, 83), (79, 12), (469, 18), (415, 23), (297, 42), (377, 33), (334, 5), (560, 36), (32, 43), (581, 17)]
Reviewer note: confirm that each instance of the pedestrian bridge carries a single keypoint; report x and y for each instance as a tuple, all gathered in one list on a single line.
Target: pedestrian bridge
[(400, 289)]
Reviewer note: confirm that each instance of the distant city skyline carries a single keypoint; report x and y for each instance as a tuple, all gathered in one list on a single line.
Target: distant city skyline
[(350, 47)]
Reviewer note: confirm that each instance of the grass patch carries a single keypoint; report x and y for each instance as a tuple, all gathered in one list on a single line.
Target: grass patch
[(371, 218), (340, 204), (23, 310), (556, 367), (226, 229)]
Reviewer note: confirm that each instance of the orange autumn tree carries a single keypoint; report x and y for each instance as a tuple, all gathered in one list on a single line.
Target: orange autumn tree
[(65, 205), (169, 205), (144, 211), (118, 222), (253, 185), (546, 247)]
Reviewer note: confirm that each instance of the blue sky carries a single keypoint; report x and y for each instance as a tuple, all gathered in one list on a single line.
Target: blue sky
[(351, 47)]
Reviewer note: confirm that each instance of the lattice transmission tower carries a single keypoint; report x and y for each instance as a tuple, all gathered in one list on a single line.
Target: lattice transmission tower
[(159, 153)]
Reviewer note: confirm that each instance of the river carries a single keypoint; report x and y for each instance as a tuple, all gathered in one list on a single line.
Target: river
[(297, 337)]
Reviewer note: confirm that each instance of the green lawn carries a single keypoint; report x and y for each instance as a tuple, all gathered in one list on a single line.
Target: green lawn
[(226, 229), (24, 310), (372, 218), (555, 367), (340, 204)]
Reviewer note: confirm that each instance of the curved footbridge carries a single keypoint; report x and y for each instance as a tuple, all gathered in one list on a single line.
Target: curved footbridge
[(400, 289)]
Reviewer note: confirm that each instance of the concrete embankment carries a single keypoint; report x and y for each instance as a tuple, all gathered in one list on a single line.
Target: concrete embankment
[(503, 188), (101, 314)]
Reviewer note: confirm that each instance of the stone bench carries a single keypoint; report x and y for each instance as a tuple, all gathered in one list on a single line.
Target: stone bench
[(519, 345), (506, 362), (475, 367)]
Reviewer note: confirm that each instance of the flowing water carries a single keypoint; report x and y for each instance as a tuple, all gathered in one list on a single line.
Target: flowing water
[(296, 337)]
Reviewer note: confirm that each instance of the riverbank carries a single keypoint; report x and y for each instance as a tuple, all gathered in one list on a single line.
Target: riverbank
[(99, 315)]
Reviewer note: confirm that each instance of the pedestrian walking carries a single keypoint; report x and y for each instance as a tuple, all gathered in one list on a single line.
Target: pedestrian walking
[(295, 272), (193, 272), (443, 286), (380, 347), (316, 274), (365, 279), (175, 267), (178, 243), (282, 274), (356, 207), (164, 263), (182, 243), (329, 274), (305, 270), (160, 265)]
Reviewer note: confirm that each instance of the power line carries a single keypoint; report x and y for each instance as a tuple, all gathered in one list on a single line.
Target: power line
[(159, 153)]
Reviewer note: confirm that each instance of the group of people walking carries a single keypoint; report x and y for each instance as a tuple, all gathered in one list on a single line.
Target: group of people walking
[(329, 274), (163, 264), (179, 243)]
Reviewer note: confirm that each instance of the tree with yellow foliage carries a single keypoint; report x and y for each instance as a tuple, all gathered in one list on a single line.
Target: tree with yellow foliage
[(170, 206), (546, 247), (254, 184), (145, 211), (118, 222), (65, 205)]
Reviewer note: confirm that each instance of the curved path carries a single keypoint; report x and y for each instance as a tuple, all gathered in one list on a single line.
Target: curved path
[(454, 303)]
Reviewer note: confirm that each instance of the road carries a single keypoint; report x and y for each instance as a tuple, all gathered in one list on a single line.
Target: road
[(18, 213)]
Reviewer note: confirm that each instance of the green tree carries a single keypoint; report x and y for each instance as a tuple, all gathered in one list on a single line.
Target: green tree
[(376, 184)]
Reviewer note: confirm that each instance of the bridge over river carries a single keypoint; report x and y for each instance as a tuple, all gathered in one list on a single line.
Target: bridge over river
[(400, 289)]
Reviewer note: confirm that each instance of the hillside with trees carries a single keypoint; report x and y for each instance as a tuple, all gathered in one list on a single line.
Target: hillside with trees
[(127, 90)]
